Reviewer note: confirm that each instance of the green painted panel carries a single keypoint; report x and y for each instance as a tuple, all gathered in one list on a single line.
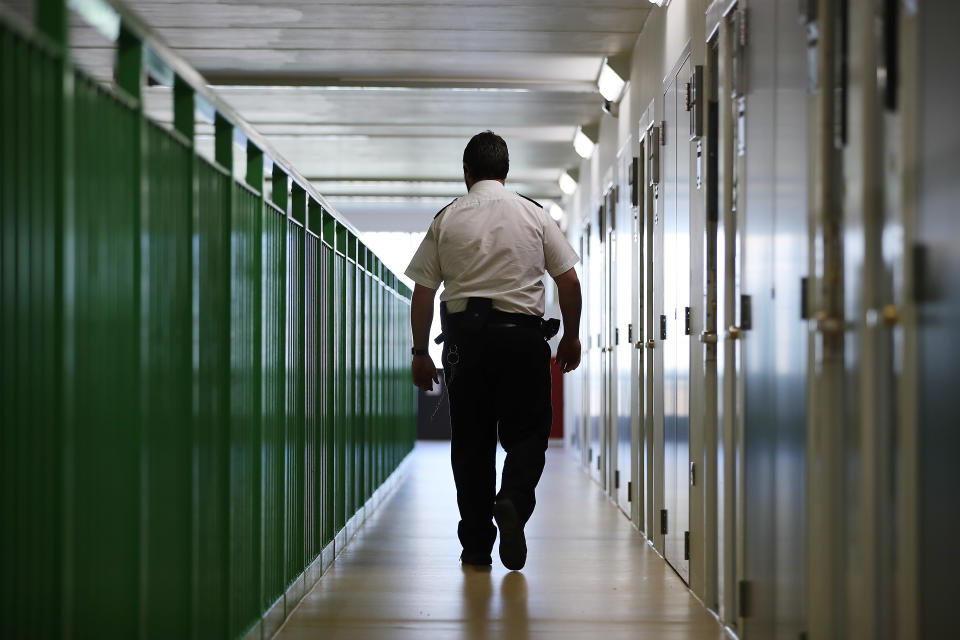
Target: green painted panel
[(245, 407), (212, 413), (313, 464), (274, 401), (350, 387), (294, 440), (31, 345), (340, 391), (328, 377), (167, 365), (105, 378)]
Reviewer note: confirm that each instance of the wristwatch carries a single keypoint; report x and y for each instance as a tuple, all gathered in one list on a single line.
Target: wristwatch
[(418, 352)]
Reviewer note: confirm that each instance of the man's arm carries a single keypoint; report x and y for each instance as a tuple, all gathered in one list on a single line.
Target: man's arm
[(421, 317), (568, 292)]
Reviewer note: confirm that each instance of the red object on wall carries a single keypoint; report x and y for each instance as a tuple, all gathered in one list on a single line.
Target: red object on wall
[(556, 399)]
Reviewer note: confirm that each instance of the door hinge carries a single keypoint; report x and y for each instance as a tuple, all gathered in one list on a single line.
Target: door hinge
[(663, 522), (687, 100), (923, 289), (744, 598), (630, 333), (663, 327), (654, 156), (663, 133), (598, 462), (616, 479), (696, 102), (742, 26), (746, 313), (686, 321), (635, 182), (693, 474), (629, 491), (590, 454), (804, 298), (616, 335), (686, 545)]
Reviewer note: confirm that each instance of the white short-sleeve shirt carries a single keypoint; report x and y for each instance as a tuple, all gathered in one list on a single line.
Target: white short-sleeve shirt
[(492, 243)]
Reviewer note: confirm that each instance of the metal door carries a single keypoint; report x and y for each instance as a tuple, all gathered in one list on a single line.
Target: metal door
[(623, 329), (594, 386), (608, 313), (936, 270), (652, 426), (675, 319), (656, 340), (635, 341)]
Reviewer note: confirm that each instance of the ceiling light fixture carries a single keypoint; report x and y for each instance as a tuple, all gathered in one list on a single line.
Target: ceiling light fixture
[(568, 181), (660, 3), (556, 212), (585, 141), (612, 78)]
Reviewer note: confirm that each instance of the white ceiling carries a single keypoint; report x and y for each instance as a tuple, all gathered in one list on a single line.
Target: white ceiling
[(376, 99)]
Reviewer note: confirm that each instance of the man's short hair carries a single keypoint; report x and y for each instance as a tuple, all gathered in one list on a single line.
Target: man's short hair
[(486, 157)]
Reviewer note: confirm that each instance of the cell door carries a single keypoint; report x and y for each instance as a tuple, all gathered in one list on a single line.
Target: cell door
[(583, 411), (607, 357), (622, 322), (595, 386), (656, 340), (650, 361), (635, 341), (610, 390), (675, 316), (874, 289)]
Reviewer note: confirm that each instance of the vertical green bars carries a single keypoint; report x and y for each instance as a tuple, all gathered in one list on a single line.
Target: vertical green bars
[(200, 386)]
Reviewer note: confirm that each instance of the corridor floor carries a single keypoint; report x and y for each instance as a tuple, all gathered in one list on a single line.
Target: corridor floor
[(589, 574)]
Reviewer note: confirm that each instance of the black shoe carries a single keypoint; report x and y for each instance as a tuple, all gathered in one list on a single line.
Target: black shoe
[(513, 545), (476, 559)]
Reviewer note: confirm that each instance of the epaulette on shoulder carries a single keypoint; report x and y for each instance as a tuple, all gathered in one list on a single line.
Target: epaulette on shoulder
[(531, 200), (445, 208)]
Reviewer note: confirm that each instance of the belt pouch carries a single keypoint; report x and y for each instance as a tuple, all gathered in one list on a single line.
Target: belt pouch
[(475, 315)]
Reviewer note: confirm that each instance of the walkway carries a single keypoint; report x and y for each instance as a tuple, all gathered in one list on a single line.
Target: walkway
[(589, 573)]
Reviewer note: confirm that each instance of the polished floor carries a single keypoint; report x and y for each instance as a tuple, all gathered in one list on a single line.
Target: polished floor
[(589, 573)]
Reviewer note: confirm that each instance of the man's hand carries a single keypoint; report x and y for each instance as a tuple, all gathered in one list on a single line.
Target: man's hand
[(424, 372), (568, 292), (568, 353)]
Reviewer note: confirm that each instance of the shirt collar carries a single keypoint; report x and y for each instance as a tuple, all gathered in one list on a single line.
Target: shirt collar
[(483, 187)]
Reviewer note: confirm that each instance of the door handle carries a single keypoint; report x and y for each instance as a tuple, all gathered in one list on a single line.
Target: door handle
[(708, 337), (650, 343), (734, 332), (891, 315)]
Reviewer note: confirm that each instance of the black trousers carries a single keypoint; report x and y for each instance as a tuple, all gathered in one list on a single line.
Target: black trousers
[(498, 381)]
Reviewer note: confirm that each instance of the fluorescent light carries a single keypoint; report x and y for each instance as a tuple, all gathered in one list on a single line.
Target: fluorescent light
[(556, 212), (610, 83), (660, 3), (583, 144), (567, 183)]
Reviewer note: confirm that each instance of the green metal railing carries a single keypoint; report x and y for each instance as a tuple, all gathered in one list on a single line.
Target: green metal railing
[(201, 388)]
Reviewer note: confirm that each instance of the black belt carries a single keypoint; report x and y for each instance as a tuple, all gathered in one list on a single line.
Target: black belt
[(501, 320)]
